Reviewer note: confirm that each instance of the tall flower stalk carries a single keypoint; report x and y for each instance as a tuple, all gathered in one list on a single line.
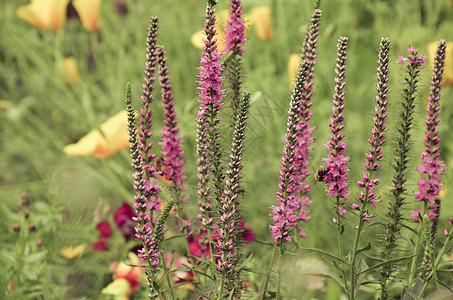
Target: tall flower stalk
[(337, 162), (145, 230), (304, 138), (372, 164), (432, 167), (210, 171), (234, 41), (229, 231), (172, 160), (402, 159), (286, 214)]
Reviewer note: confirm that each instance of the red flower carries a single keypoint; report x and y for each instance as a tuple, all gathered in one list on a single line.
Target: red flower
[(247, 234), (103, 237), (123, 219)]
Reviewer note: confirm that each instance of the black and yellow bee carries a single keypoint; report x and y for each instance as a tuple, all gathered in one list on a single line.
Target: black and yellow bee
[(320, 175)]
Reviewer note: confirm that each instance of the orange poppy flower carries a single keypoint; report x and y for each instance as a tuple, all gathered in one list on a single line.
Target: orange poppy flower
[(293, 68), (120, 289), (68, 67), (448, 68), (71, 252), (105, 142), (262, 19), (222, 18), (47, 15), (89, 12)]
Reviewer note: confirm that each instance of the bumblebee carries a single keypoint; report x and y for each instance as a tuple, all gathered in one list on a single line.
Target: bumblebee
[(320, 175)]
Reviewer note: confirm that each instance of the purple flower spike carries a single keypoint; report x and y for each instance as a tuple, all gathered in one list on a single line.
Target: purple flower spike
[(235, 29), (304, 137), (337, 178), (287, 211), (211, 69), (378, 139), (208, 147), (432, 167), (172, 160)]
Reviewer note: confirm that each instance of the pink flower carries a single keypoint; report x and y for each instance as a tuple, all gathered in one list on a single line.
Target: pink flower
[(412, 50), (401, 60), (415, 215), (123, 219)]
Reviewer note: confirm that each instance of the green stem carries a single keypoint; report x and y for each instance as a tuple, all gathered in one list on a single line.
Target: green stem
[(437, 262), (340, 242), (268, 274), (416, 248), (356, 243), (167, 276), (222, 286), (279, 270)]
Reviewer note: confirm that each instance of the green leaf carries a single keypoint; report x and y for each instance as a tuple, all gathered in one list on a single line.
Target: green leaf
[(366, 248), (385, 263), (319, 251), (371, 226)]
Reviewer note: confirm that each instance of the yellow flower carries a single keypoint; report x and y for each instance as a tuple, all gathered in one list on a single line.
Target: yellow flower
[(71, 252), (173, 209), (89, 13), (448, 68), (262, 19), (68, 67), (293, 68), (47, 15), (119, 289), (111, 138)]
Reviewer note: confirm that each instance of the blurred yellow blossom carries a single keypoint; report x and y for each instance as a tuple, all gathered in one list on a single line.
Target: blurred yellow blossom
[(293, 68), (120, 289), (71, 252), (47, 15), (111, 138), (68, 67), (262, 19), (222, 17), (448, 69), (89, 12)]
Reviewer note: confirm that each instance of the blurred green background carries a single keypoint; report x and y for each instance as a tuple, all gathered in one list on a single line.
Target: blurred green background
[(40, 114)]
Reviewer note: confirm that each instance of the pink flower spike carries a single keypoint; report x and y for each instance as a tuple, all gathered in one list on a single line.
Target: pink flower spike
[(432, 167)]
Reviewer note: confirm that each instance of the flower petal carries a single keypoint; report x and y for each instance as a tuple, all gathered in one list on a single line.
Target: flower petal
[(293, 68), (119, 288), (262, 19), (71, 252), (89, 13), (448, 68), (47, 15), (68, 67), (88, 145)]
